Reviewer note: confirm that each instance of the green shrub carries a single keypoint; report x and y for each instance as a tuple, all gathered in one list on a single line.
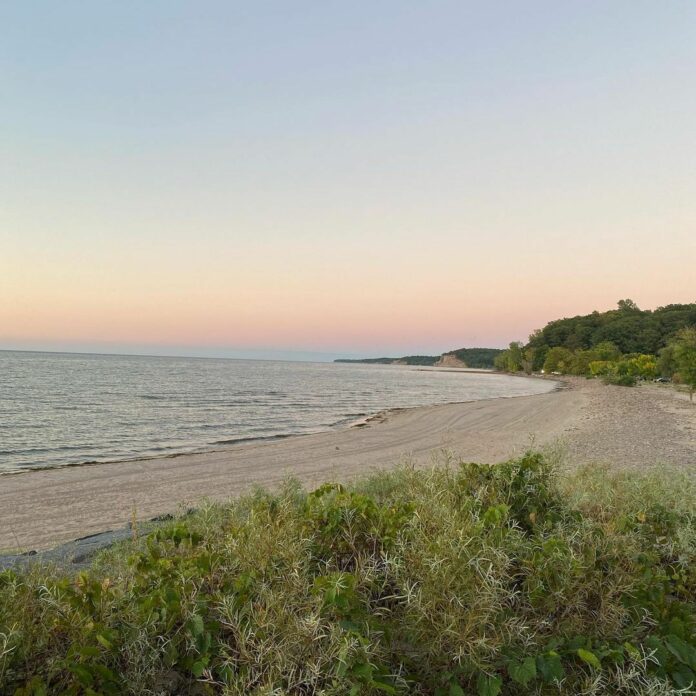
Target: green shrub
[(467, 579), (347, 526), (621, 380)]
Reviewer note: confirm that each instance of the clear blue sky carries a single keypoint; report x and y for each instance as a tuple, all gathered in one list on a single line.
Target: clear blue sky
[(333, 177)]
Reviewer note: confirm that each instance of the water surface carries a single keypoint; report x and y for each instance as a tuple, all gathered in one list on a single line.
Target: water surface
[(63, 408)]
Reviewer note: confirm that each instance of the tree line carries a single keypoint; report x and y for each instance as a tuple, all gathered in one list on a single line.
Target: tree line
[(621, 345)]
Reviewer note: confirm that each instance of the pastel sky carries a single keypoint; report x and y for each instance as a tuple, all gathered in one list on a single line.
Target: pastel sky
[(219, 177)]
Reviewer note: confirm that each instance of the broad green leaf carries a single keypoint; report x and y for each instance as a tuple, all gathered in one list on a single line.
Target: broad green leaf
[(522, 672), (681, 650), (455, 690), (615, 655), (550, 667), (495, 515), (488, 685), (589, 658), (683, 677), (383, 686), (88, 651), (105, 673), (196, 625), (632, 650), (82, 673), (363, 670), (104, 641)]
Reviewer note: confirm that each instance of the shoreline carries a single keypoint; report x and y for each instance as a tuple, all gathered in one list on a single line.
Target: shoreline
[(77, 553), (640, 427), (79, 500), (342, 424)]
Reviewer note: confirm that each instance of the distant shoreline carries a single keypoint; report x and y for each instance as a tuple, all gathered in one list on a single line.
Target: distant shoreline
[(472, 358)]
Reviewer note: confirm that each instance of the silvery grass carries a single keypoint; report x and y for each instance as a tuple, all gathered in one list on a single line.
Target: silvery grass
[(521, 578)]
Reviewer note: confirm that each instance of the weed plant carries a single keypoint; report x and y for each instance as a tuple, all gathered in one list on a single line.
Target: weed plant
[(462, 579)]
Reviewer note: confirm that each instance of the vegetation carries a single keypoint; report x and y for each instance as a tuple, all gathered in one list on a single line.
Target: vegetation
[(516, 358), (477, 358), (630, 329), (624, 342), (465, 579), (683, 355), (621, 346)]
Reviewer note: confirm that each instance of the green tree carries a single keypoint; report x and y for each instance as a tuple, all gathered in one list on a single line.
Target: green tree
[(601, 368), (515, 357), (629, 328), (665, 363), (684, 350), (643, 366), (528, 360), (627, 306), (500, 361), (559, 360), (582, 360), (606, 350)]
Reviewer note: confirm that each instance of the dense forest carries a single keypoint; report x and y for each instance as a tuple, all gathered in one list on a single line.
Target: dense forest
[(622, 345), (630, 329), (479, 358)]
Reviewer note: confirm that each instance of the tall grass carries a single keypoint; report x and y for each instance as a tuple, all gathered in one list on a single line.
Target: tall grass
[(463, 579)]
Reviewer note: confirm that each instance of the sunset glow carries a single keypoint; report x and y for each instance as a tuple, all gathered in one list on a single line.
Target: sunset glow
[(171, 178)]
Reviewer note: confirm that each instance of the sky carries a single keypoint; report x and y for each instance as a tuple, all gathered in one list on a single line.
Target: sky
[(313, 179)]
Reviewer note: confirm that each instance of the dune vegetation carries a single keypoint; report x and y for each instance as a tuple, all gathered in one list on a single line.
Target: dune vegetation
[(519, 578)]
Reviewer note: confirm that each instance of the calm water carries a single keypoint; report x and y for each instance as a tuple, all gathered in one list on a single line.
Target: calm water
[(60, 408)]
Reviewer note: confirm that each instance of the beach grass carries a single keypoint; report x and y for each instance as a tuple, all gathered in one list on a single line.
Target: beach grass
[(520, 578)]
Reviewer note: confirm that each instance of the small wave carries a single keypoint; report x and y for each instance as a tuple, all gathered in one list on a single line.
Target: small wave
[(111, 419), (348, 419), (44, 450), (238, 440)]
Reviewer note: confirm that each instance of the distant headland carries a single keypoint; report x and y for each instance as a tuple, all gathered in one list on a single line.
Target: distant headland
[(480, 358)]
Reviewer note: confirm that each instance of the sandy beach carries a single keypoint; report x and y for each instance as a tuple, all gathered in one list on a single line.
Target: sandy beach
[(647, 426)]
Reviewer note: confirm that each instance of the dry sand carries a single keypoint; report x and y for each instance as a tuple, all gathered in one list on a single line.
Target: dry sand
[(647, 426)]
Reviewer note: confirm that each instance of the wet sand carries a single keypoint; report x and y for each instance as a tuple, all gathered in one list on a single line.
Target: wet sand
[(625, 427)]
